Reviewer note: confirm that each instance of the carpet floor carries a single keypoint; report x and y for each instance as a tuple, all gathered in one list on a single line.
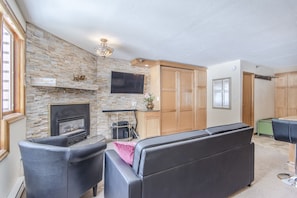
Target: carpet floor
[(271, 158)]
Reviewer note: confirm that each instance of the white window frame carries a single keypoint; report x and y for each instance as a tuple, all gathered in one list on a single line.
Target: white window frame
[(221, 93), (10, 95)]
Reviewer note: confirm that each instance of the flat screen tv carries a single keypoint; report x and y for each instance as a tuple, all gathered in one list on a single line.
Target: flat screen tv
[(126, 83)]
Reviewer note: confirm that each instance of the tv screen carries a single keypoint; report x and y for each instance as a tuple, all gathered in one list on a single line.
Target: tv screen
[(126, 83)]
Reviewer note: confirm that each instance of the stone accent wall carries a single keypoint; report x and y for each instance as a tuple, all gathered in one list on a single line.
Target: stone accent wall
[(106, 100), (48, 56)]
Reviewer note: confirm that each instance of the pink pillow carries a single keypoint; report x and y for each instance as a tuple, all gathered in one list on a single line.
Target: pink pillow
[(125, 151)]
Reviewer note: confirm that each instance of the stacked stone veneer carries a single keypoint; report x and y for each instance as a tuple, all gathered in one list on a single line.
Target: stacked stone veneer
[(48, 56)]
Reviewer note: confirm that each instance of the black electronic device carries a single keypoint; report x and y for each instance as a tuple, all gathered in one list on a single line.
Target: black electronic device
[(120, 130), (129, 83)]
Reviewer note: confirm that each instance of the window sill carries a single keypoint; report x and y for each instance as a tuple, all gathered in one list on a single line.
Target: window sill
[(7, 120), (13, 117)]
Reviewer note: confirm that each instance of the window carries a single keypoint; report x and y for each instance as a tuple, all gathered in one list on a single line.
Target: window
[(7, 71), (12, 67), (221, 93)]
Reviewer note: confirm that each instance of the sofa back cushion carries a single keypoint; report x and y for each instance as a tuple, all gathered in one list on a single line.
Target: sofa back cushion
[(60, 140), (162, 140), (158, 158), (225, 128)]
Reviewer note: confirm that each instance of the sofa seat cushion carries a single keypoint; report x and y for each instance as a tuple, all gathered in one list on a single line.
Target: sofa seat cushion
[(162, 140), (225, 128)]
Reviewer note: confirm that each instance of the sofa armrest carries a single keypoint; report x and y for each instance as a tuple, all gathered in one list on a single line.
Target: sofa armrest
[(120, 181), (84, 152)]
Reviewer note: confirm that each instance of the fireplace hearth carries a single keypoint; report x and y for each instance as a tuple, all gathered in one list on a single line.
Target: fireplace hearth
[(72, 120)]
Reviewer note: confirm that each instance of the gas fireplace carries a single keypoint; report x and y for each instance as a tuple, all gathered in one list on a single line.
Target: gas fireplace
[(72, 120)]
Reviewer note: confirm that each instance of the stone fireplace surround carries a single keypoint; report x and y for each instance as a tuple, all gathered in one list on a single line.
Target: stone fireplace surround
[(48, 56)]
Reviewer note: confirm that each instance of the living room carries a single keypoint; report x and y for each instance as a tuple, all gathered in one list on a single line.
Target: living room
[(49, 56)]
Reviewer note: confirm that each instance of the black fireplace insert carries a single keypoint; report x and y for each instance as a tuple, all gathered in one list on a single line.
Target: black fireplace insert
[(72, 120)]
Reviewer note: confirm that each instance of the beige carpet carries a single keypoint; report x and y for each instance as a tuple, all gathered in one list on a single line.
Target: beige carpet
[(270, 159)]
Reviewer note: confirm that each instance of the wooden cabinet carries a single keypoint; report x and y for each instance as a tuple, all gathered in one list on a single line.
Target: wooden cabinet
[(148, 123), (177, 106), (285, 94), (180, 90)]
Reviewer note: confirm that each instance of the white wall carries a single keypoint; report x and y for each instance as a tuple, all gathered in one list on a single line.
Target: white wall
[(11, 167), (263, 91), (224, 116), (12, 4)]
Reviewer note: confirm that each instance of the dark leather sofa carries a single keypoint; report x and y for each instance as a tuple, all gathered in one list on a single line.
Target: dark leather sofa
[(215, 162)]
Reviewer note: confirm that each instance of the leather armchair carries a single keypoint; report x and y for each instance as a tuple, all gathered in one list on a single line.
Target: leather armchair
[(52, 169)]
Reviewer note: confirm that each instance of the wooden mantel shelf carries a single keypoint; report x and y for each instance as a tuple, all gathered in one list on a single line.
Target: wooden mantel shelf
[(51, 82)]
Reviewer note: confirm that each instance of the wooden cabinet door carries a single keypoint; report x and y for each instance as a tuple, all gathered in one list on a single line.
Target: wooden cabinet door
[(185, 100), (200, 98), (281, 95), (280, 108), (148, 123), (169, 89), (292, 94), (152, 124), (292, 101), (177, 109)]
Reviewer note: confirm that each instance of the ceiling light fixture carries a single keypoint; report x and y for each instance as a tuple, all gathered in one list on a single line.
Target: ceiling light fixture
[(103, 50)]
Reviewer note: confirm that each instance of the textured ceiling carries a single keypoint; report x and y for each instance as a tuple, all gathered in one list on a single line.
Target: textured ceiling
[(199, 32)]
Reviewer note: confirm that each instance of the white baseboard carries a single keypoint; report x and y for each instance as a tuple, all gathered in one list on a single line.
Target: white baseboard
[(17, 189)]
